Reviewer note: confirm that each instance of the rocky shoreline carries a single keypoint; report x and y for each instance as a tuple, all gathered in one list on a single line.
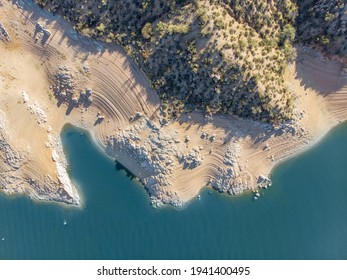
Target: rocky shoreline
[(159, 152), (13, 178), (96, 86)]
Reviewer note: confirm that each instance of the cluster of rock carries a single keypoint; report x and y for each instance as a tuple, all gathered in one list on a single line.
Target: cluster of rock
[(65, 89), (206, 136), (231, 177), (4, 34), (263, 181), (158, 152), (155, 152), (48, 189), (86, 95), (223, 181), (66, 191), (64, 83), (41, 32), (191, 159), (35, 109), (43, 186), (38, 112), (12, 157), (25, 97)]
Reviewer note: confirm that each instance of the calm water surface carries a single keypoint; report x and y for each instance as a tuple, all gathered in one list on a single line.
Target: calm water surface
[(302, 216)]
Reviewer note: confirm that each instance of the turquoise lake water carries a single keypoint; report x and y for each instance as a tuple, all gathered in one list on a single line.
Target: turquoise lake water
[(302, 216)]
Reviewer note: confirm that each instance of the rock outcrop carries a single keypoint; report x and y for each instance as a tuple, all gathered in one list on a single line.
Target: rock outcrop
[(65, 89), (232, 176), (155, 150)]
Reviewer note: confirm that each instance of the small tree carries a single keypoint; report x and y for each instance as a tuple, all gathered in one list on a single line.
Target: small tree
[(287, 34), (147, 31)]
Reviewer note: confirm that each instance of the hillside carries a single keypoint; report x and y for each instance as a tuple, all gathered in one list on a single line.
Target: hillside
[(203, 55), (222, 56), (323, 24)]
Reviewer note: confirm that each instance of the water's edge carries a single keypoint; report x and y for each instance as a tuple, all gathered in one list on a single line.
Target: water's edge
[(302, 216)]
